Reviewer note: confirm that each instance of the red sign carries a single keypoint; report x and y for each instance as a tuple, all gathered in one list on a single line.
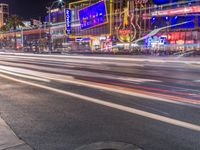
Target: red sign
[(124, 32)]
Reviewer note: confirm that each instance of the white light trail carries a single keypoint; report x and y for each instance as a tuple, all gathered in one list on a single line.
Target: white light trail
[(123, 108)]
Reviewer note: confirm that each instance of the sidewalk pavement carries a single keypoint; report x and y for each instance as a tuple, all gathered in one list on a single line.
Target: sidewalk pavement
[(8, 139)]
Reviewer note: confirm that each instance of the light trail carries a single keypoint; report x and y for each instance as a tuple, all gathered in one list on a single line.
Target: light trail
[(76, 72), (101, 102), (104, 86), (24, 76), (89, 58)]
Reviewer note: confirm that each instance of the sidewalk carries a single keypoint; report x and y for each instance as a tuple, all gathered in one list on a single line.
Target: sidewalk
[(8, 139)]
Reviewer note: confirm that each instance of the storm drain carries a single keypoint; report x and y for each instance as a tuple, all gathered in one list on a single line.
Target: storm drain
[(109, 146)]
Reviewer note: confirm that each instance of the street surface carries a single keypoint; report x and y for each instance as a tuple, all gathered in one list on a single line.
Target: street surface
[(55, 102)]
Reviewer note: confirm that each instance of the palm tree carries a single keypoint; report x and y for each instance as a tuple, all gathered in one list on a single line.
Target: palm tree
[(4, 28), (13, 22)]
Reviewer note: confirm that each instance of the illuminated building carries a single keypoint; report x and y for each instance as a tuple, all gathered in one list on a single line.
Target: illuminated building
[(179, 21), (125, 25), (127, 22), (4, 13), (104, 29), (56, 15), (91, 25)]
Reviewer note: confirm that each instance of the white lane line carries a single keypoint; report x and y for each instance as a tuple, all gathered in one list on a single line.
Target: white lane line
[(112, 105)]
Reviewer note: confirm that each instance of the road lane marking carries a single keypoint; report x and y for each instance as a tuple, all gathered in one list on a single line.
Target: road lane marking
[(112, 105)]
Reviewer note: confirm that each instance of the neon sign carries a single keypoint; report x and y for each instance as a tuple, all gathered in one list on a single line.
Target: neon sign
[(177, 11), (124, 32), (155, 41), (93, 15), (161, 1), (68, 21)]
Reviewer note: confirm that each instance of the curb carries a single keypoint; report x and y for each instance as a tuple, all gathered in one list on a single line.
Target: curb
[(109, 146), (8, 139), (19, 147)]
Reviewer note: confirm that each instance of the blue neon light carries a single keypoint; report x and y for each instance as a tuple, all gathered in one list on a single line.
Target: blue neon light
[(161, 1), (167, 18), (188, 22), (68, 21), (159, 22), (199, 21), (93, 15), (153, 19)]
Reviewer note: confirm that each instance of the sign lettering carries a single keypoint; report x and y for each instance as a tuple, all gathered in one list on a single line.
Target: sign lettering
[(68, 21)]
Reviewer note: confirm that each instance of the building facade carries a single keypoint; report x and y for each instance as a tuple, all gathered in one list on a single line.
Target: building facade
[(178, 24), (121, 24), (4, 13), (124, 26), (55, 16)]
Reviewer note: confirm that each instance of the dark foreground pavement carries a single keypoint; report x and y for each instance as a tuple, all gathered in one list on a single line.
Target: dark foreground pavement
[(35, 104)]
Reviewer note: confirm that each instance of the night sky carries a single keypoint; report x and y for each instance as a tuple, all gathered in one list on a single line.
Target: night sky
[(28, 8)]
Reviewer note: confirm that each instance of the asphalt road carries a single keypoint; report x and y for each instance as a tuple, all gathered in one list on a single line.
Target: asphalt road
[(65, 102)]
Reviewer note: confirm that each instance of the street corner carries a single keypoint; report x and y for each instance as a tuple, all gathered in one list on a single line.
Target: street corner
[(8, 139)]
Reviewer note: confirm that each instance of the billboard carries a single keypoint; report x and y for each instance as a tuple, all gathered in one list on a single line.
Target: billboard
[(68, 21), (93, 15)]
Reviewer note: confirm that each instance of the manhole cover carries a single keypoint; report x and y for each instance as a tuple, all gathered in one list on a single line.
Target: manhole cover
[(109, 146)]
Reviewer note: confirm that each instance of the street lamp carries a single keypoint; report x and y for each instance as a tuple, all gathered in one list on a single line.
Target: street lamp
[(60, 2)]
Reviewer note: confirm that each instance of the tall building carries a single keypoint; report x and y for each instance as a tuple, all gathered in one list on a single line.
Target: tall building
[(180, 23), (4, 13), (56, 16), (107, 25), (91, 26), (124, 24)]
